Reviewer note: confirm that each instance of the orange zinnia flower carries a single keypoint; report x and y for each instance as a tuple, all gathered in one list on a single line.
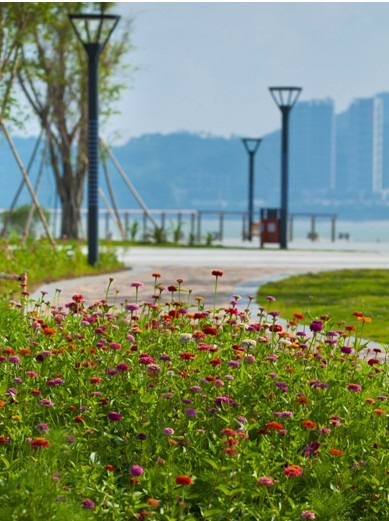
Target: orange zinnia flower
[(364, 319), (302, 400), (336, 452), (380, 412), (49, 331), (309, 424)]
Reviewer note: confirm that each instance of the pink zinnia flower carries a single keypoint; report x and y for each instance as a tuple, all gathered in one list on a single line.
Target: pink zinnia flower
[(168, 431), (137, 284), (354, 387), (264, 480), (308, 514), (132, 307), (293, 471)]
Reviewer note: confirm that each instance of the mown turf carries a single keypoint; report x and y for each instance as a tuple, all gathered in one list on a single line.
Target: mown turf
[(337, 294)]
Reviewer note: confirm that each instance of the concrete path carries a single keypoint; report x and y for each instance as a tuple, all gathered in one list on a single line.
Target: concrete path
[(243, 271)]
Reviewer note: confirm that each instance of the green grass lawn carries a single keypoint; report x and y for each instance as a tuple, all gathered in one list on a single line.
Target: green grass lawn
[(43, 263), (336, 294)]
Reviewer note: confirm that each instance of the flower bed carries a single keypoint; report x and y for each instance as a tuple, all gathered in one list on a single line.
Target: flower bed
[(166, 410)]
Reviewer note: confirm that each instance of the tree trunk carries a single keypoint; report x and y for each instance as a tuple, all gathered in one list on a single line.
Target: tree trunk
[(71, 219), (70, 181)]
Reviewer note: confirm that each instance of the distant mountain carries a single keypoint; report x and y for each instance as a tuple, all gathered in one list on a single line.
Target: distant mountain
[(188, 171), (175, 171)]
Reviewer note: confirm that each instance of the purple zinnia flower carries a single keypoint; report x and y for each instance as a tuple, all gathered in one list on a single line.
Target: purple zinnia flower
[(282, 386), (312, 448), (132, 307), (141, 436), (114, 416), (123, 367), (222, 399), (196, 388), (46, 403), (88, 504), (56, 381), (42, 427), (316, 326), (190, 412), (136, 470)]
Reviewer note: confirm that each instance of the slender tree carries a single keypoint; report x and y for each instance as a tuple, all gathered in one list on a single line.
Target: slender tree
[(17, 22), (53, 77)]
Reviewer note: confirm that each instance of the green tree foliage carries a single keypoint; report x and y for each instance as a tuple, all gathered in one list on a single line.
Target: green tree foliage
[(53, 76), (17, 21)]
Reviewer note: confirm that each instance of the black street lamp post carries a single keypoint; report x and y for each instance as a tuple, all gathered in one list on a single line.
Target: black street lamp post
[(93, 31), (285, 99), (251, 145)]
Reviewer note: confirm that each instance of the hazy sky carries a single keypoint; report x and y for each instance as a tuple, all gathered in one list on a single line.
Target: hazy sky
[(206, 67)]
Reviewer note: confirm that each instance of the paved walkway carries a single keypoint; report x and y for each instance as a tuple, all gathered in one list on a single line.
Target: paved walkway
[(243, 271)]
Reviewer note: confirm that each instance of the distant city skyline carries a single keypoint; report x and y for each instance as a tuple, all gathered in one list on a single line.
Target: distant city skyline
[(206, 67)]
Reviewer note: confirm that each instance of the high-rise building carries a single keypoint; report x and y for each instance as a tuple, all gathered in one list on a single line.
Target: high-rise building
[(359, 169), (384, 97), (312, 147)]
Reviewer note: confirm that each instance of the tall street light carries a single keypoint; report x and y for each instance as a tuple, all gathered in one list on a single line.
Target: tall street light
[(93, 31), (285, 99), (251, 145)]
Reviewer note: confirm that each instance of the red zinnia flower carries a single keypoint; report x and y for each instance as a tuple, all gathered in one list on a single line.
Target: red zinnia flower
[(228, 431), (274, 425), (36, 443), (336, 452), (231, 452), (183, 480), (187, 356), (210, 330), (217, 273)]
